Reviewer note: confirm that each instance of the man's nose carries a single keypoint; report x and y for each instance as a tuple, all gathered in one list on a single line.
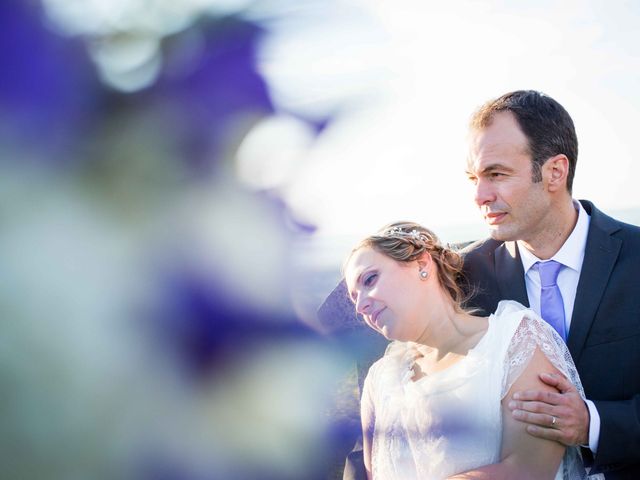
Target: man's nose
[(484, 192)]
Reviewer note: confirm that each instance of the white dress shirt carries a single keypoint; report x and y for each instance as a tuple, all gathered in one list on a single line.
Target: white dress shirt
[(571, 256)]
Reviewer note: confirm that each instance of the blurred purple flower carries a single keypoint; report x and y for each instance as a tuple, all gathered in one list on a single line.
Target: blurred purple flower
[(209, 329), (49, 91), (216, 89)]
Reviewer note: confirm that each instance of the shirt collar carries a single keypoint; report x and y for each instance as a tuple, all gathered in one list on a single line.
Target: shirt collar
[(571, 254)]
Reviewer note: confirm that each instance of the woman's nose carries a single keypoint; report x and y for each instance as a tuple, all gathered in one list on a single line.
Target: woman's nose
[(363, 304)]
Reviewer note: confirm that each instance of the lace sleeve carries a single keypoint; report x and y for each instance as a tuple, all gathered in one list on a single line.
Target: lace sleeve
[(534, 332), (531, 333)]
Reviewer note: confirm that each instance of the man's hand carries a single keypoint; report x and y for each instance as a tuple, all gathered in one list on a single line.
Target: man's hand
[(561, 416)]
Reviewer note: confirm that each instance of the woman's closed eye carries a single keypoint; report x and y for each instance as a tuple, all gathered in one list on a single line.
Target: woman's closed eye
[(370, 279)]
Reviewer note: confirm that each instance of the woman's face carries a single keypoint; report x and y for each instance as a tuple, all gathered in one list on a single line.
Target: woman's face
[(388, 294)]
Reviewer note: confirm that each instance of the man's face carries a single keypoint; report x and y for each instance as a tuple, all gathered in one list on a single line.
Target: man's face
[(499, 165)]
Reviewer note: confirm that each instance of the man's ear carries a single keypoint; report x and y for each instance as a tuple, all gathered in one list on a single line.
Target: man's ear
[(555, 172)]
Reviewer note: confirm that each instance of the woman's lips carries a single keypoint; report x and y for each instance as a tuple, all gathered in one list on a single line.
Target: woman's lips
[(376, 314)]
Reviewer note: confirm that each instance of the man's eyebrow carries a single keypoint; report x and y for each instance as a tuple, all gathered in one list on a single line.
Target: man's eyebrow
[(497, 166), (490, 168)]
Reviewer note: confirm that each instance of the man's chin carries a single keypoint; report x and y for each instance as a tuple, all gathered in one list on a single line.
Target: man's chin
[(501, 234)]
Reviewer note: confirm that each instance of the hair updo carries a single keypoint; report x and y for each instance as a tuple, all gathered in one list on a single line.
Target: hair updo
[(407, 241)]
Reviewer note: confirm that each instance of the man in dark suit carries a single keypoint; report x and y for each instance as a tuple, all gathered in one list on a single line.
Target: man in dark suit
[(522, 158)]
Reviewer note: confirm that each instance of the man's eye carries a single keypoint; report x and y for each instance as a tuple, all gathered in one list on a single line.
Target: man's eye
[(370, 280), (496, 174)]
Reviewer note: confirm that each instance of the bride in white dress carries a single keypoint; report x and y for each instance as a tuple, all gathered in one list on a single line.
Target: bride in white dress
[(435, 406)]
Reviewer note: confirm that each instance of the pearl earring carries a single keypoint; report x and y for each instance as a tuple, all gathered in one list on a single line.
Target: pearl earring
[(424, 275)]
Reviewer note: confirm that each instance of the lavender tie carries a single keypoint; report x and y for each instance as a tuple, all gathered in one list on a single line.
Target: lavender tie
[(551, 304)]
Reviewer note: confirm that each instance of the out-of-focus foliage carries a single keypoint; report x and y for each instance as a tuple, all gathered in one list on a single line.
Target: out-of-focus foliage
[(147, 328)]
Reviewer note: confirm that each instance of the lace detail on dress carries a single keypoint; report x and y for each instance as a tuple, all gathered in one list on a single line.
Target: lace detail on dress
[(450, 421), (534, 332), (428, 429), (531, 332)]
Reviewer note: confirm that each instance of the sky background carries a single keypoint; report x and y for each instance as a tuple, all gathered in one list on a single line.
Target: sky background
[(399, 81), (372, 98)]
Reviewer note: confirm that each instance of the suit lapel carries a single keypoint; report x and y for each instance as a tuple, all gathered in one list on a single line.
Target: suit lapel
[(601, 253), (510, 273)]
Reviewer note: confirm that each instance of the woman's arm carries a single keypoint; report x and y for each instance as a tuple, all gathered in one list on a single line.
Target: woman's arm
[(523, 456)]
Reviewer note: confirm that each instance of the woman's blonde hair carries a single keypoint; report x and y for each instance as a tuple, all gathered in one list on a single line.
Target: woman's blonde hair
[(407, 241)]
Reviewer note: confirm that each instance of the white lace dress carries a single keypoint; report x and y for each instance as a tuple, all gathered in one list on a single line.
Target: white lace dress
[(450, 421)]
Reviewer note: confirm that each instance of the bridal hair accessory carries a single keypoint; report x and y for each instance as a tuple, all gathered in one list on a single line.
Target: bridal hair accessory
[(399, 232)]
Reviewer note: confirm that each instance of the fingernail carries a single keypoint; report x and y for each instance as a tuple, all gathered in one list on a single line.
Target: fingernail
[(512, 404), (516, 396)]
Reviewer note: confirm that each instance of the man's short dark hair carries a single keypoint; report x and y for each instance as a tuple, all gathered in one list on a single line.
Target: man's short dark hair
[(546, 124)]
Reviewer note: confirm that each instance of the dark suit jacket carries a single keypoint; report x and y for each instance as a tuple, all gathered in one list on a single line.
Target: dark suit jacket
[(604, 337)]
